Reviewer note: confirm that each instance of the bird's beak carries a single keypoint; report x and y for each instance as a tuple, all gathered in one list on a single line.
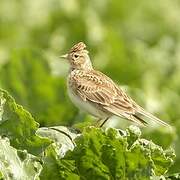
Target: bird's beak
[(65, 56)]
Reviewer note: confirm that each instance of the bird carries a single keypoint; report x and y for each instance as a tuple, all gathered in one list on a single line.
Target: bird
[(97, 94)]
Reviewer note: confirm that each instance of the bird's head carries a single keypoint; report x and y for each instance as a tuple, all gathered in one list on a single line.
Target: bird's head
[(78, 57)]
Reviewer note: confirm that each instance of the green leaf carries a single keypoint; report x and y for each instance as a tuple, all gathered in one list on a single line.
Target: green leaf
[(62, 136), (16, 164), (19, 126), (161, 159), (112, 154), (133, 133), (54, 168)]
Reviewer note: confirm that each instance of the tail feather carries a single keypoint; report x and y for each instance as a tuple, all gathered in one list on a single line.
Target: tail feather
[(140, 120), (152, 117)]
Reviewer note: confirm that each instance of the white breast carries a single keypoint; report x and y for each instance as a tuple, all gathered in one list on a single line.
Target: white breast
[(84, 105)]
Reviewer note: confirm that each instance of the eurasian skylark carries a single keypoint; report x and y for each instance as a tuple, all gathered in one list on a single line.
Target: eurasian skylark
[(95, 93)]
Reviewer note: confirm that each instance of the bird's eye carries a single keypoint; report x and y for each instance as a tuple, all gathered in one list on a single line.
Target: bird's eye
[(76, 55)]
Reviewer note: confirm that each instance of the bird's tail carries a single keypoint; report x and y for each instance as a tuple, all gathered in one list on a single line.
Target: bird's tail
[(141, 112)]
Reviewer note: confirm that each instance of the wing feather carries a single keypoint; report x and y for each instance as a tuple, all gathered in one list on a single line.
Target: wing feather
[(98, 88)]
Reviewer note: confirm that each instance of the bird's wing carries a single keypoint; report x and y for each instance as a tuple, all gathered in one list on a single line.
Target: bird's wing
[(96, 87)]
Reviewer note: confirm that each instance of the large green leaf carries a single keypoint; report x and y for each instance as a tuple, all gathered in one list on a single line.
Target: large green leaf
[(54, 168), (19, 126), (113, 154), (17, 165), (62, 136)]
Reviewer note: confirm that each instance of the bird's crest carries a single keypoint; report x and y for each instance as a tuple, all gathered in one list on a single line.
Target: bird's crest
[(78, 47)]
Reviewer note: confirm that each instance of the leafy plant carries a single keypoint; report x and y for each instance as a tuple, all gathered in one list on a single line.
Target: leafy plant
[(17, 164), (19, 126), (27, 152)]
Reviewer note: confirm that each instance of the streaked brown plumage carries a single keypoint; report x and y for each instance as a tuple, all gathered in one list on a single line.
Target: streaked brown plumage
[(97, 94)]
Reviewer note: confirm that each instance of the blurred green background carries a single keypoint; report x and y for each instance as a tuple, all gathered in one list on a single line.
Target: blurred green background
[(137, 43)]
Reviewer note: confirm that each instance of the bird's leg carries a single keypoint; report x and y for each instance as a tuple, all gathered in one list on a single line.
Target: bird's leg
[(99, 123), (104, 122)]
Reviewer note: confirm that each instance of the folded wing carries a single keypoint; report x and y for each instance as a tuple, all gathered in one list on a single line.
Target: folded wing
[(94, 86)]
